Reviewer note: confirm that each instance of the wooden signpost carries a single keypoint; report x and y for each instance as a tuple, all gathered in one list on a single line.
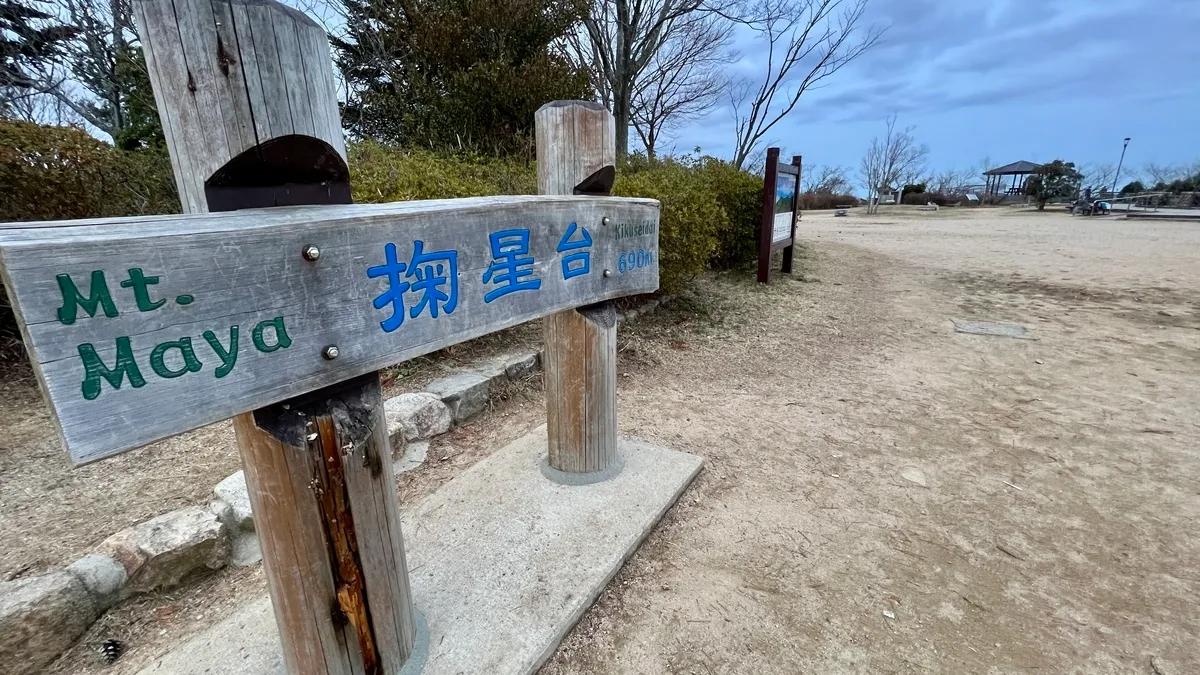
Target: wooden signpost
[(781, 209), (141, 328), (223, 313), (576, 153)]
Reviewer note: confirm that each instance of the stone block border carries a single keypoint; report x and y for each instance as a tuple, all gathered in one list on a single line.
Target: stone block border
[(43, 615)]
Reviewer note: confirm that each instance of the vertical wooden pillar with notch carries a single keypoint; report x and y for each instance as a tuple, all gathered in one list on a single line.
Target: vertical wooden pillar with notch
[(246, 94), (576, 154)]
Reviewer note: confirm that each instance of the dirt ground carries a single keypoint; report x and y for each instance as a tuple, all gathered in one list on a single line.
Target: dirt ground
[(881, 494), (52, 513)]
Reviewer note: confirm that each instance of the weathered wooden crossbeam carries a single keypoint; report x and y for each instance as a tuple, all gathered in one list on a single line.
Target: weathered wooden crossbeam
[(142, 328)]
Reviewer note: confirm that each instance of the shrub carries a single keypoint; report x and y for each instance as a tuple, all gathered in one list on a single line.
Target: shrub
[(381, 173), (739, 194), (690, 222), (710, 209), (816, 201), (1133, 187), (636, 162), (941, 199), (52, 173)]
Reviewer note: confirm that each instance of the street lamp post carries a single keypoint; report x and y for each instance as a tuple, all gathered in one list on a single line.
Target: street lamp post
[(1119, 164)]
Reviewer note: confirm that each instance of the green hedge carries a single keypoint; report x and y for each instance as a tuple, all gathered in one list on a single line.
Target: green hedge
[(381, 173), (710, 213), (710, 209), (56, 173), (740, 195), (53, 173), (816, 201), (689, 223)]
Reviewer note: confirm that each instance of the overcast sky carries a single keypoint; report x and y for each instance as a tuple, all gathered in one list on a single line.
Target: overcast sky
[(1007, 79)]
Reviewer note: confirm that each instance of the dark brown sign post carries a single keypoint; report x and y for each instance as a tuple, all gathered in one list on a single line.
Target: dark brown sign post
[(781, 209)]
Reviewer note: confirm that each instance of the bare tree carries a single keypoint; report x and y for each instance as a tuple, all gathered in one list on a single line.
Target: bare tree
[(896, 155), (89, 78), (31, 43), (915, 174), (827, 180), (1098, 177), (683, 80), (985, 165), (41, 108), (619, 40), (1129, 174), (952, 181), (1162, 173), (106, 37), (807, 41)]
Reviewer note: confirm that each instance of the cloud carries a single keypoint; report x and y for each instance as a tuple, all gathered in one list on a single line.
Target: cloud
[(940, 56), (975, 65)]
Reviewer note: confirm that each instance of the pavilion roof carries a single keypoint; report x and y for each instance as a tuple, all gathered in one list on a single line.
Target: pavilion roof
[(1015, 168)]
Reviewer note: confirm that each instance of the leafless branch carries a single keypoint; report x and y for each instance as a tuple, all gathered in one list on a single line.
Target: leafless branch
[(895, 157), (620, 40), (826, 180), (1098, 177), (683, 80), (807, 41), (1163, 173)]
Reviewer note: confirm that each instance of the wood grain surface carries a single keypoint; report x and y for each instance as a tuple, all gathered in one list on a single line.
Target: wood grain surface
[(143, 328), (575, 144)]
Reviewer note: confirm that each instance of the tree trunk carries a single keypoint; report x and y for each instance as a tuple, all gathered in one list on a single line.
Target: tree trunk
[(738, 160), (119, 48), (621, 105)]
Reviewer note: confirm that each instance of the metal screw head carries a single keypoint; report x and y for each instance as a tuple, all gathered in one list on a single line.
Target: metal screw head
[(311, 252), (605, 221), (607, 272), (330, 353)]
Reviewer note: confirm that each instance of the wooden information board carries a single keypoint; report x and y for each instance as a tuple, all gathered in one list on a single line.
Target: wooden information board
[(142, 328), (781, 206), (786, 183)]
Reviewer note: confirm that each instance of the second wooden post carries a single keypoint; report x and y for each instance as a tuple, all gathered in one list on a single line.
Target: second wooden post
[(576, 154), (789, 251)]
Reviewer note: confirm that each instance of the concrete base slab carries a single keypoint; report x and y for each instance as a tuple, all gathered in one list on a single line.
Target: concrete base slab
[(503, 562)]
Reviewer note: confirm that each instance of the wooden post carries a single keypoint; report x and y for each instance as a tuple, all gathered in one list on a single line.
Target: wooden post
[(246, 95), (576, 154), (768, 216), (319, 469), (797, 162)]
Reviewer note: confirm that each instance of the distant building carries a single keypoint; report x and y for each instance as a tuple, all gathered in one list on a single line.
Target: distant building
[(888, 195)]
